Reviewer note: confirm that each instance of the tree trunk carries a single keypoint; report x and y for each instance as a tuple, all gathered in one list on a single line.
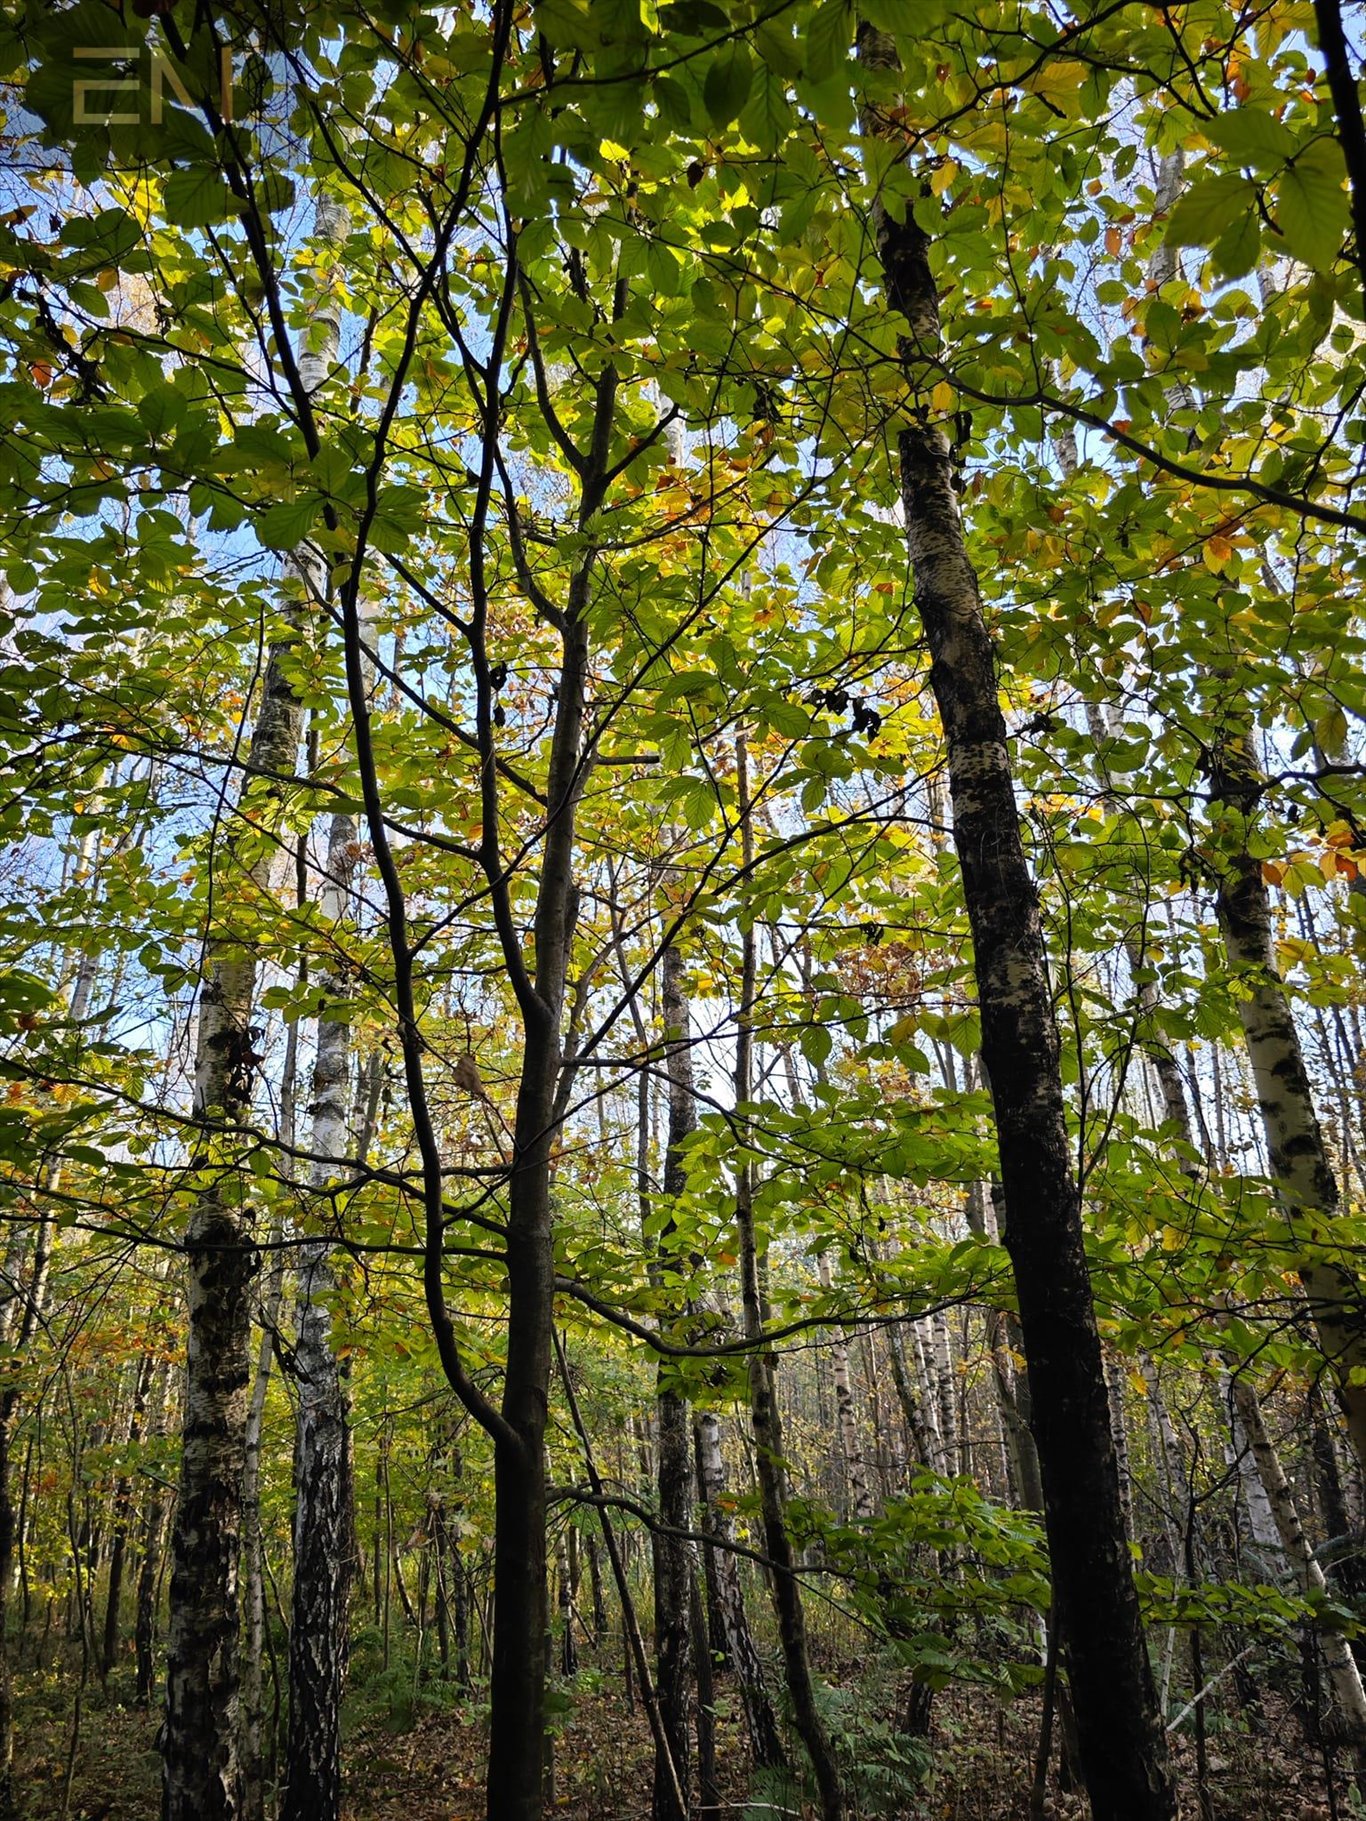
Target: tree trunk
[(123, 1511), (253, 1542), (1343, 1676), (1295, 1148), (201, 1772), (1122, 1743), (28, 1306), (322, 1481), (673, 1617), (149, 1569), (846, 1417), (764, 1414), (725, 1589), (672, 1553), (1261, 1519)]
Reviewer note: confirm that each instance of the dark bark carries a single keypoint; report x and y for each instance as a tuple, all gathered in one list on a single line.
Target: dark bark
[(673, 1618), (9, 1806), (726, 1600), (28, 1306), (672, 1553), (764, 1414), (123, 1511), (1342, 85), (1122, 1743), (708, 1794)]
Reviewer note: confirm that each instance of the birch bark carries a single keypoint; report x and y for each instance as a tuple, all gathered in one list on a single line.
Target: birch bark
[(201, 1771)]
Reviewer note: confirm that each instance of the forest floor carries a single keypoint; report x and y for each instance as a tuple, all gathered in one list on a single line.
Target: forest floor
[(432, 1770)]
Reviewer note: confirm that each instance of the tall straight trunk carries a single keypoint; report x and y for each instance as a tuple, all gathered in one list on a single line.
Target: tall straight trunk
[(1261, 1519), (201, 1773), (1343, 1675), (253, 1542), (1123, 1747), (725, 1589), (1011, 1386), (673, 1618), (764, 1413), (20, 1335), (149, 1568), (123, 1515), (517, 1690), (945, 1385), (254, 1757), (846, 1417), (921, 1435), (674, 1476), (1295, 1148), (323, 1549)]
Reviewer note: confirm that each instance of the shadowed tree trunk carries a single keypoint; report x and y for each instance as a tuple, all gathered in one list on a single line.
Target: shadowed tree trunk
[(763, 1401), (1122, 1744), (673, 1463)]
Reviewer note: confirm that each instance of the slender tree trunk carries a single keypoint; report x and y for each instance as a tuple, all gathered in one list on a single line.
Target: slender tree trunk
[(1343, 1675), (123, 1513), (673, 1618), (764, 1413), (323, 1548), (149, 1568), (1123, 1748), (1297, 1154), (1261, 1519), (21, 1318), (846, 1417), (201, 1772), (725, 1588), (674, 1477)]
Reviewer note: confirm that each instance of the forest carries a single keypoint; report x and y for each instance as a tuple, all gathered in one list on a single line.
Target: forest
[(682, 905)]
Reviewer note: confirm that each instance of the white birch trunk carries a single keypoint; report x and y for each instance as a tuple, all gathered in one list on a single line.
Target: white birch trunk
[(846, 1418), (201, 1770), (1343, 1675)]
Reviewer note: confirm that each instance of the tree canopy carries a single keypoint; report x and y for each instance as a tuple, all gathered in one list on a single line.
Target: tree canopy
[(681, 887)]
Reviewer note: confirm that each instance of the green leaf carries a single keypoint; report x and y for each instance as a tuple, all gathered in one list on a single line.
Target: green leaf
[(161, 409), (275, 193), (1252, 137), (197, 198), (726, 88), (827, 39), (525, 151), (1312, 205), (1236, 250), (675, 107), (287, 524), (1208, 207), (765, 117), (693, 17)]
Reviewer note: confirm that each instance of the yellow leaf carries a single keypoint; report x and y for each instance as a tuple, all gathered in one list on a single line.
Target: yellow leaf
[(942, 396), (1218, 550)]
